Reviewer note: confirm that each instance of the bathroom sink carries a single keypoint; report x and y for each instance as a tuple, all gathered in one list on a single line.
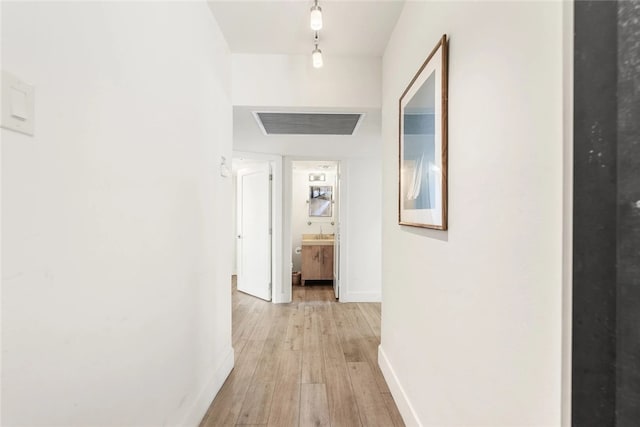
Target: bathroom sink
[(317, 239)]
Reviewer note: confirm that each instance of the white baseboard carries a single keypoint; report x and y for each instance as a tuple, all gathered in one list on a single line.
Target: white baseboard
[(402, 401), (360, 297), (203, 401)]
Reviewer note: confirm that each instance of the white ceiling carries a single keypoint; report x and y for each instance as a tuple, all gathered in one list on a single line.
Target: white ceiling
[(355, 28)]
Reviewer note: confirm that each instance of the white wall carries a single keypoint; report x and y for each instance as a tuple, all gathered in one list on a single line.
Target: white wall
[(471, 317), (300, 210), (290, 80), (363, 202), (115, 287)]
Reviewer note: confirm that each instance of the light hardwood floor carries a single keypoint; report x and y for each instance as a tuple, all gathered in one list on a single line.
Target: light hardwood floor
[(309, 363)]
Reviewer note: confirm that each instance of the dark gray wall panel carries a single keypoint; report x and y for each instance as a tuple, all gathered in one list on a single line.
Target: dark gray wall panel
[(628, 247), (595, 207), (606, 317)]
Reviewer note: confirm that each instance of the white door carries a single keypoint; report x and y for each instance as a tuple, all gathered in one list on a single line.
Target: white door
[(254, 236), (336, 249)]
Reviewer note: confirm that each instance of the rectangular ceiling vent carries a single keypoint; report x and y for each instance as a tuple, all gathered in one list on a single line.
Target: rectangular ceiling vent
[(308, 123)]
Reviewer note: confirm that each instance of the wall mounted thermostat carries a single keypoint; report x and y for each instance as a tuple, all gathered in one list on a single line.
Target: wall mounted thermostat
[(17, 104)]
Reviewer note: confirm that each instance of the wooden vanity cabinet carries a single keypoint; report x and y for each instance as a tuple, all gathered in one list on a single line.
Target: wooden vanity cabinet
[(317, 262)]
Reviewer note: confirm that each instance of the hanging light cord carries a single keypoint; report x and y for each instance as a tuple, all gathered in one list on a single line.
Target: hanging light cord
[(317, 53)]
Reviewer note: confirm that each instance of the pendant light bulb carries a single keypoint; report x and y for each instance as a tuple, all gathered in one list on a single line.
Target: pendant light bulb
[(316, 57), (316, 17)]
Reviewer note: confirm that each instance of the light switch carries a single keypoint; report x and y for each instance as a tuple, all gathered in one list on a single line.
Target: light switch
[(17, 104)]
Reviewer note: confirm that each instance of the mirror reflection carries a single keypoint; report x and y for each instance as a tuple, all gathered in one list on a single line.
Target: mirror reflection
[(320, 198)]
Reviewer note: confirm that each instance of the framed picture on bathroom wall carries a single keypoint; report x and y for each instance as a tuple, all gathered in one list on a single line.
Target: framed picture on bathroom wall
[(320, 200), (423, 144)]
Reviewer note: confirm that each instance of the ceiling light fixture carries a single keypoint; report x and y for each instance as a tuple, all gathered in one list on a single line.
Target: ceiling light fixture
[(316, 55), (315, 20)]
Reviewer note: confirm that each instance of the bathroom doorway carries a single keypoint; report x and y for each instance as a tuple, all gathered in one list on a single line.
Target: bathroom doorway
[(315, 223)]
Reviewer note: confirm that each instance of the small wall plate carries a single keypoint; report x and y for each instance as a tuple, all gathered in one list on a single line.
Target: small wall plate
[(17, 104)]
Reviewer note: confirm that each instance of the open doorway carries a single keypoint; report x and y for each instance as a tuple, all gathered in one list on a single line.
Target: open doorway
[(315, 223)]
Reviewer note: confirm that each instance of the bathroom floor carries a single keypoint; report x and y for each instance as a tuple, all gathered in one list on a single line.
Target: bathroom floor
[(310, 362)]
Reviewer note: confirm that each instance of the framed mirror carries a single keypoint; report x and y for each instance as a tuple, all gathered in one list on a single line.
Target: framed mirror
[(320, 200)]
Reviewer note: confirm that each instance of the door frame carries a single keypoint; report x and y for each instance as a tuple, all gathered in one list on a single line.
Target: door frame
[(276, 219), (287, 218)]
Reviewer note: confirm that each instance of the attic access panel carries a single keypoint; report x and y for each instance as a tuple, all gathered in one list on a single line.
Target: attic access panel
[(308, 123)]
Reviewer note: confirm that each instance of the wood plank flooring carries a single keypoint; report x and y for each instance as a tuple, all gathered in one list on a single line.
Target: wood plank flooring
[(309, 363)]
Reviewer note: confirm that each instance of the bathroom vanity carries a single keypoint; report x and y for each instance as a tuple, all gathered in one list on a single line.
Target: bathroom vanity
[(317, 257)]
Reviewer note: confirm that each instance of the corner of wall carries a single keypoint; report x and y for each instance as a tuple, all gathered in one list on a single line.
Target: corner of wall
[(567, 226)]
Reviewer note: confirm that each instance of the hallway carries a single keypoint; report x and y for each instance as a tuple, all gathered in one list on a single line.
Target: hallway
[(119, 214), (311, 362)]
